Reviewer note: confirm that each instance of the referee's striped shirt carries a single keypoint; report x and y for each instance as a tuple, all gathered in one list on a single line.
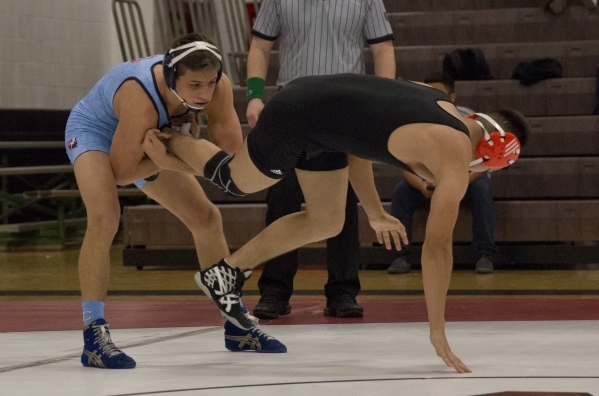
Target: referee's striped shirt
[(320, 37)]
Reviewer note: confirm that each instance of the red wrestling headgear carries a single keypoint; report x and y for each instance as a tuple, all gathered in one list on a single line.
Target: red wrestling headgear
[(497, 149)]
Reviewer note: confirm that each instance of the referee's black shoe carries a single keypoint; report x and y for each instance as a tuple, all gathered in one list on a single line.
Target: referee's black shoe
[(271, 307), (343, 305)]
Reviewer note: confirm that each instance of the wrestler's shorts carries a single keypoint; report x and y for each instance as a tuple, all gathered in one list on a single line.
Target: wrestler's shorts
[(81, 137), (279, 144), (323, 162)]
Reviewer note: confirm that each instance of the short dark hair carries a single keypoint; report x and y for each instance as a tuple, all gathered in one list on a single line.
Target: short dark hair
[(513, 121), (442, 78), (196, 60)]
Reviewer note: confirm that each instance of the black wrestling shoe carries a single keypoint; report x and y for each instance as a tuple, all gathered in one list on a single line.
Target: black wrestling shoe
[(270, 307), (223, 284), (343, 306)]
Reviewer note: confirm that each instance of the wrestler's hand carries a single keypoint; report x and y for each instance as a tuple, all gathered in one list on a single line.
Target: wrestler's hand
[(254, 109), (163, 134), (387, 228), (443, 350), (155, 148)]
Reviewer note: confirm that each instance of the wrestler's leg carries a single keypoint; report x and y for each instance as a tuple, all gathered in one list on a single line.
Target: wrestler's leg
[(183, 196), (197, 152), (325, 195)]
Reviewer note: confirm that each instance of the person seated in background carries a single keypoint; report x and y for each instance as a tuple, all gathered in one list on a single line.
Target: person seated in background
[(415, 193)]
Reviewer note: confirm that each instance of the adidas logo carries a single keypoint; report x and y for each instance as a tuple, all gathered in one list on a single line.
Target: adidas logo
[(276, 171)]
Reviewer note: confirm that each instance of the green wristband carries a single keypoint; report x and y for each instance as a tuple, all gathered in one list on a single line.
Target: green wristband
[(255, 88)]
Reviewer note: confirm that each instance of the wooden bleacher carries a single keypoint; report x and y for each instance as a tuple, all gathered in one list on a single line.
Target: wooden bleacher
[(578, 57), (554, 97), (486, 26)]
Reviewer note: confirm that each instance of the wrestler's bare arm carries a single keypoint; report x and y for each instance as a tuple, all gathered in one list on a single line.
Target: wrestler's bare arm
[(437, 257), (224, 129), (387, 227), (136, 114)]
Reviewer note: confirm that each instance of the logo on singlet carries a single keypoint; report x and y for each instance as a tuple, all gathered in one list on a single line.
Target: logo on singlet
[(277, 172), (72, 143)]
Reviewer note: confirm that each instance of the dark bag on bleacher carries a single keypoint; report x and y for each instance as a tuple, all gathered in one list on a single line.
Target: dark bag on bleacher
[(538, 70), (466, 64)]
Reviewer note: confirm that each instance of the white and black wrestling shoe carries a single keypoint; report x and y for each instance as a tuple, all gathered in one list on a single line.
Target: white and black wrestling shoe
[(223, 284)]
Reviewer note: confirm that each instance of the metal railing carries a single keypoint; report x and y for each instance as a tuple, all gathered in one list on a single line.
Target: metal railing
[(130, 29), (179, 17), (238, 28)]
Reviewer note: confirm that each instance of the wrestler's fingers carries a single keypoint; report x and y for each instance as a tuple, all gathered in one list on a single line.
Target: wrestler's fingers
[(396, 241), (404, 236), (149, 136), (384, 238), (162, 134), (452, 360), (379, 237), (195, 132)]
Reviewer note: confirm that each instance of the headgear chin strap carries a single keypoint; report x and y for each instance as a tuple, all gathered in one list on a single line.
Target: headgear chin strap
[(169, 65), (498, 149)]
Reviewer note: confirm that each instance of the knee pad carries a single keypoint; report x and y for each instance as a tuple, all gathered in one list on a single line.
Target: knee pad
[(217, 172)]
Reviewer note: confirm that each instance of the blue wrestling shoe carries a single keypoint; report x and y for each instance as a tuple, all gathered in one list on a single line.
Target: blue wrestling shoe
[(99, 351), (254, 339)]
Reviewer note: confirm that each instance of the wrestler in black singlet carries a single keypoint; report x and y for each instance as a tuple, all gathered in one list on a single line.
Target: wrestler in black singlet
[(350, 113)]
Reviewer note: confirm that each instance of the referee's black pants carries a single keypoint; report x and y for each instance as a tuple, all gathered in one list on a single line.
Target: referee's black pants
[(276, 280)]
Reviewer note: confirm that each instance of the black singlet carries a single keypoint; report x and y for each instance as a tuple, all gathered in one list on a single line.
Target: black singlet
[(350, 113)]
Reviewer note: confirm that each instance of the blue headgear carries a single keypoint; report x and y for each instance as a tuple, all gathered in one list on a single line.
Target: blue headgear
[(169, 64)]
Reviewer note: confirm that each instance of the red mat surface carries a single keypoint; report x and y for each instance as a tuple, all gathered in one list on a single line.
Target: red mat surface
[(66, 315)]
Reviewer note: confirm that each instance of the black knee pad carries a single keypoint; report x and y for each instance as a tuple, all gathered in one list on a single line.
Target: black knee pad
[(217, 171)]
